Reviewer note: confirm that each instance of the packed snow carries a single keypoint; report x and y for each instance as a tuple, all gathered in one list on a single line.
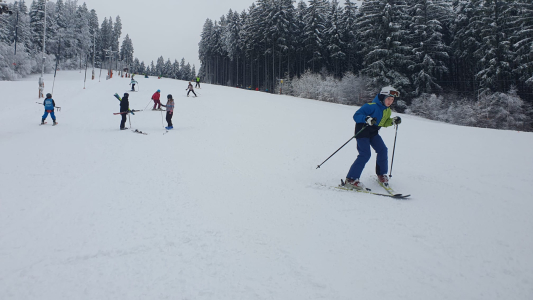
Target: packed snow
[(229, 204)]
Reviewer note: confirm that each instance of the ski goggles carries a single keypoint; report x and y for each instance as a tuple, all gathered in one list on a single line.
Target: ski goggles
[(392, 93)]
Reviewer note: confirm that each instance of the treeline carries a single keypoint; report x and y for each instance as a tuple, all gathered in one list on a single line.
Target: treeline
[(465, 47), (74, 38), (181, 70)]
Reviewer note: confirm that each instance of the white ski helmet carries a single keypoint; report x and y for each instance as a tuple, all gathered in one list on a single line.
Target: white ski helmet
[(389, 91)]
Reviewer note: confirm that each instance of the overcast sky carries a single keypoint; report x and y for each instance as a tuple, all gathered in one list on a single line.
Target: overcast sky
[(170, 28)]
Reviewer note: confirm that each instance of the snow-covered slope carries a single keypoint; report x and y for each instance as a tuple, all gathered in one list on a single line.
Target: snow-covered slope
[(230, 205)]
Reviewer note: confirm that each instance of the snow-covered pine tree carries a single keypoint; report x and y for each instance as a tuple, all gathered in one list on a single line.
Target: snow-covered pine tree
[(251, 46), (126, 51), (151, 70), (5, 28), (336, 44), (94, 31), (187, 74), (466, 40), (175, 69), (383, 35), (37, 25), (204, 51), (494, 53), (230, 39), (160, 66), (299, 40), (142, 68), (522, 42), (167, 69), (22, 27), (117, 32), (281, 34), (181, 74), (314, 33), (349, 42), (429, 19), (104, 39), (83, 36)]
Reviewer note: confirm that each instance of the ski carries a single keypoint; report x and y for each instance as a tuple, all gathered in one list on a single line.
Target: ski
[(42, 123), (54, 124), (387, 187), (138, 131), (342, 186), (125, 112)]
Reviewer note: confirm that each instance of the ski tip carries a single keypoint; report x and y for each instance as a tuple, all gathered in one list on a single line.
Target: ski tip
[(400, 196)]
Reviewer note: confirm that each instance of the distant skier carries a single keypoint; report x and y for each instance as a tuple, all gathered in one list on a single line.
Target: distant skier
[(124, 108), (49, 105), (191, 89), (197, 82), (369, 119), (170, 111), (133, 83), (156, 97)]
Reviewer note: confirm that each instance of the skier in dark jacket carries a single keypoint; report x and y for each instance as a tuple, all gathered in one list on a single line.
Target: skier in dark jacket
[(124, 108), (49, 105), (369, 119)]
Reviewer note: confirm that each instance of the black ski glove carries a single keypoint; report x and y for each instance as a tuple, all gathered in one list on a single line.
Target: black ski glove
[(396, 120)]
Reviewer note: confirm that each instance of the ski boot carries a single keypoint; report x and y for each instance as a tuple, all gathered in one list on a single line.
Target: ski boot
[(354, 184), (383, 179)]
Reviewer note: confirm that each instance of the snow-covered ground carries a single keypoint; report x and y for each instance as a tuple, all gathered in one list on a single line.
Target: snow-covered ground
[(229, 205)]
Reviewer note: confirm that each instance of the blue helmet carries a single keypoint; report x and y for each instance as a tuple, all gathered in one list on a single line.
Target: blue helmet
[(159, 91)]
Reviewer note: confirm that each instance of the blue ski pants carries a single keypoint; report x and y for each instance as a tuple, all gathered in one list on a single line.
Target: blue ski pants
[(363, 146), (51, 115)]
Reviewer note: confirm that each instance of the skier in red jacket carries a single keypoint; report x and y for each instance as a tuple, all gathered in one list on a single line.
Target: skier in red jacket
[(157, 103)]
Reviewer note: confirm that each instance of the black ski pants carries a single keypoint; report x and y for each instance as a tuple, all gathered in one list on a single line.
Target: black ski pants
[(192, 92), (123, 122), (169, 118)]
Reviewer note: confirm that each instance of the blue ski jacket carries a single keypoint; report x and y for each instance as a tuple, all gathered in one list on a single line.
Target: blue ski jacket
[(376, 110), (49, 104)]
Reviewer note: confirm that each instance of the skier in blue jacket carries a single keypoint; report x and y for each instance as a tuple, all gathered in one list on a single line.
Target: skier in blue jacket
[(49, 105), (370, 118)]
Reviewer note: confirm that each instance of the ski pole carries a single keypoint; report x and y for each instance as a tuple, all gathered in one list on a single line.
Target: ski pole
[(58, 108), (393, 148), (342, 146), (148, 104)]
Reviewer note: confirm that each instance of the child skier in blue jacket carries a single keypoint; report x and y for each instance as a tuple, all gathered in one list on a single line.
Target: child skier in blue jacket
[(369, 119), (49, 105)]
